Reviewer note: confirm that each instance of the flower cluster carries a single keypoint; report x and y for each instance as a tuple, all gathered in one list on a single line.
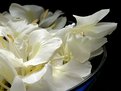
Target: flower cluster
[(39, 52)]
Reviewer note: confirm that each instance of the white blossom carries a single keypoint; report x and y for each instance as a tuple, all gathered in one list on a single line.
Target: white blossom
[(39, 53)]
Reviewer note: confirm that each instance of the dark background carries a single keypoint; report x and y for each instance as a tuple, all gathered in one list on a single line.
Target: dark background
[(109, 78)]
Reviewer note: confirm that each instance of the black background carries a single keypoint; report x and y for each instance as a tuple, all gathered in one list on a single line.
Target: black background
[(109, 78)]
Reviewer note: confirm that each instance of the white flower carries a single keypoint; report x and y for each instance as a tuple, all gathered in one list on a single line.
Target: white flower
[(28, 48), (43, 47), (87, 36), (89, 25), (34, 14), (28, 12), (15, 28), (77, 46), (38, 54), (17, 35), (62, 77)]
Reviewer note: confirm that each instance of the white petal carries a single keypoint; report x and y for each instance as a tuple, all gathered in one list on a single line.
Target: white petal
[(48, 21), (94, 44), (34, 11), (39, 87), (18, 85), (7, 15), (68, 75), (21, 27), (97, 52), (39, 36), (62, 78), (35, 77), (47, 47), (45, 53), (92, 19), (27, 12), (76, 67), (78, 49), (15, 62), (61, 33), (6, 68), (43, 84), (3, 20), (56, 81), (60, 22), (2, 31), (103, 29), (18, 11), (62, 81)]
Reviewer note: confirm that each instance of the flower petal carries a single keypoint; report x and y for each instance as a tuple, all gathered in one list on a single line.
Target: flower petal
[(60, 22), (33, 11), (21, 27), (61, 33), (15, 62), (78, 49), (3, 20), (48, 21), (103, 29), (97, 52), (76, 67), (6, 68), (94, 44), (18, 85), (46, 45), (18, 11), (62, 81), (43, 83), (55, 80), (35, 77), (39, 35), (92, 19)]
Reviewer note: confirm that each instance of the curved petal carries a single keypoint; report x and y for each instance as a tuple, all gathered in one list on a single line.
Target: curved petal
[(97, 52), (94, 44), (3, 20), (55, 80), (77, 68), (61, 33), (35, 77), (68, 75), (60, 22), (45, 53), (6, 68), (21, 27), (27, 12), (39, 36), (2, 31), (46, 47), (15, 62), (48, 21), (62, 78), (78, 49), (18, 11), (62, 81), (103, 29), (92, 19), (17, 85), (34, 11), (42, 84)]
